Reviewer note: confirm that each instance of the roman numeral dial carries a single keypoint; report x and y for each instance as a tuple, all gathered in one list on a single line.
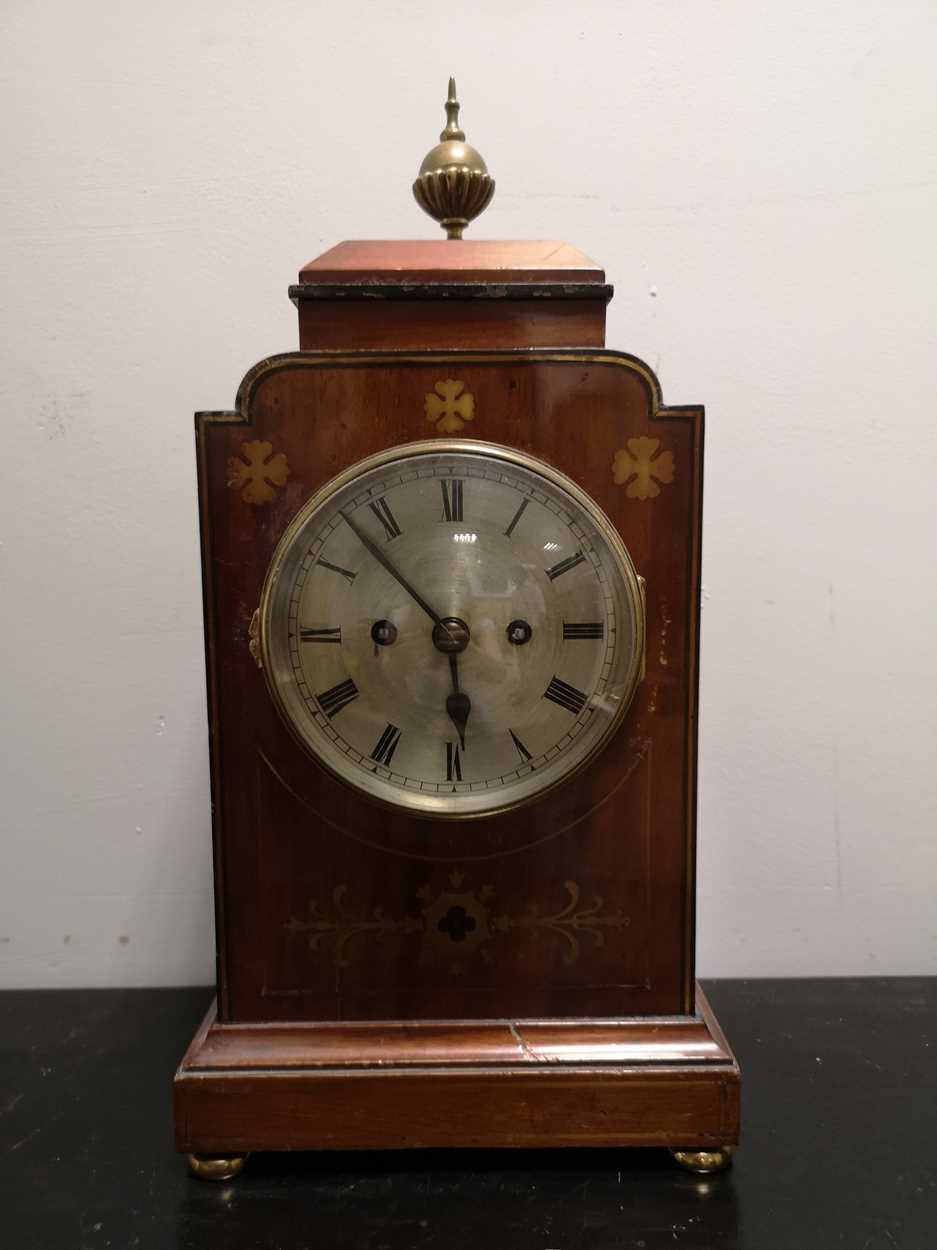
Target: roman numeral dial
[(332, 701), (451, 629), (320, 635), (520, 748), (386, 745), (564, 566), (381, 510), (591, 629), (453, 762), (452, 495), (566, 696), (337, 568), (512, 524)]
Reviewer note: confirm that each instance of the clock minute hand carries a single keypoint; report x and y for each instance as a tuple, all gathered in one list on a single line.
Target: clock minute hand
[(458, 704), (381, 558)]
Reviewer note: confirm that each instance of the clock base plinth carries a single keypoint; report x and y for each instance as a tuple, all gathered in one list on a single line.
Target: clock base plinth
[(668, 1081)]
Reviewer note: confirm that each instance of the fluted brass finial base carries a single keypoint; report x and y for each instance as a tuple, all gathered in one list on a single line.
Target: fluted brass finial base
[(453, 184)]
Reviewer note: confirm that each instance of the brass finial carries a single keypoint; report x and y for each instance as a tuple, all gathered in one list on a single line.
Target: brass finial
[(453, 184), (453, 130)]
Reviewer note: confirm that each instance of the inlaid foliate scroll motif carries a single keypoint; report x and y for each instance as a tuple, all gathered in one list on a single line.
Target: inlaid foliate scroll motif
[(452, 925)]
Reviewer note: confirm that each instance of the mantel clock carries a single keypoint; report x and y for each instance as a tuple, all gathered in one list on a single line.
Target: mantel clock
[(451, 559)]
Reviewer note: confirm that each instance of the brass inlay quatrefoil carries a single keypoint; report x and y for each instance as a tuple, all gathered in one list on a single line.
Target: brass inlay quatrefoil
[(638, 464), (259, 473), (449, 405)]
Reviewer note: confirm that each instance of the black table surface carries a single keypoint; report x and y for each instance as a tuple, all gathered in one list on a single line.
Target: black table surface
[(839, 1083)]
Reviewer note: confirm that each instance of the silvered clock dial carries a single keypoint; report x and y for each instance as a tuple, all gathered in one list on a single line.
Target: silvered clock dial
[(452, 628)]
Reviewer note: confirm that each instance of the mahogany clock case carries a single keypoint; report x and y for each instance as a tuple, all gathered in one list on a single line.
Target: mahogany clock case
[(331, 908), (386, 979)]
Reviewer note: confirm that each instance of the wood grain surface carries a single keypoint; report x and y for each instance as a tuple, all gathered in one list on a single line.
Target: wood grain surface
[(289, 837), (454, 322), (452, 260), (234, 1091), (347, 1015)]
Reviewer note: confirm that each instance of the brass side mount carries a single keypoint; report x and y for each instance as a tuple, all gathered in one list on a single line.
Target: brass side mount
[(453, 184)]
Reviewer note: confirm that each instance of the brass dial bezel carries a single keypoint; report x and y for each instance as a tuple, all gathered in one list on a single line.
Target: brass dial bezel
[(279, 675)]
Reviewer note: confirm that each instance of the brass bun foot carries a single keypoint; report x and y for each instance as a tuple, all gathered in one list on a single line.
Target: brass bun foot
[(216, 1167), (704, 1161)]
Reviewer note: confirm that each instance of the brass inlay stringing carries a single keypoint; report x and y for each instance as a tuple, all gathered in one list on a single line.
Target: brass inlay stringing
[(639, 465), (259, 473), (561, 356), (449, 405)]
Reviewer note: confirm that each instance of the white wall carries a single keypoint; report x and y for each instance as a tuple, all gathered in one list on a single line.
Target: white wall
[(760, 181)]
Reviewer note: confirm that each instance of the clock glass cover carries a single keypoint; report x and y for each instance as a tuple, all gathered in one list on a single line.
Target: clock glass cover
[(452, 628)]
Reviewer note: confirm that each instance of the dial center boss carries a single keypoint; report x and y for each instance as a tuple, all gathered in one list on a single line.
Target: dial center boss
[(451, 635)]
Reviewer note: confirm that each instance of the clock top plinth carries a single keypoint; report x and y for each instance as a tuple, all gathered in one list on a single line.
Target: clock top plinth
[(452, 260), (372, 294)]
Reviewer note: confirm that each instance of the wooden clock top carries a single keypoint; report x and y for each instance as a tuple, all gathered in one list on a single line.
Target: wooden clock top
[(442, 260), (379, 294)]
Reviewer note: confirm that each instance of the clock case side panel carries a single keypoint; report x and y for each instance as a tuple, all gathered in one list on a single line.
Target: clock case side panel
[(204, 423), (209, 424), (696, 415)]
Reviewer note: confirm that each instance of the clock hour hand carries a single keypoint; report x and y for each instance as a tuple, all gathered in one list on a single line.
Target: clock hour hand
[(381, 558), (458, 704)]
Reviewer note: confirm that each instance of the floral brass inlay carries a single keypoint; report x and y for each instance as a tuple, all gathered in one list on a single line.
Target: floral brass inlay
[(454, 924), (639, 466), (341, 926), (259, 473), (569, 922), (450, 407)]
